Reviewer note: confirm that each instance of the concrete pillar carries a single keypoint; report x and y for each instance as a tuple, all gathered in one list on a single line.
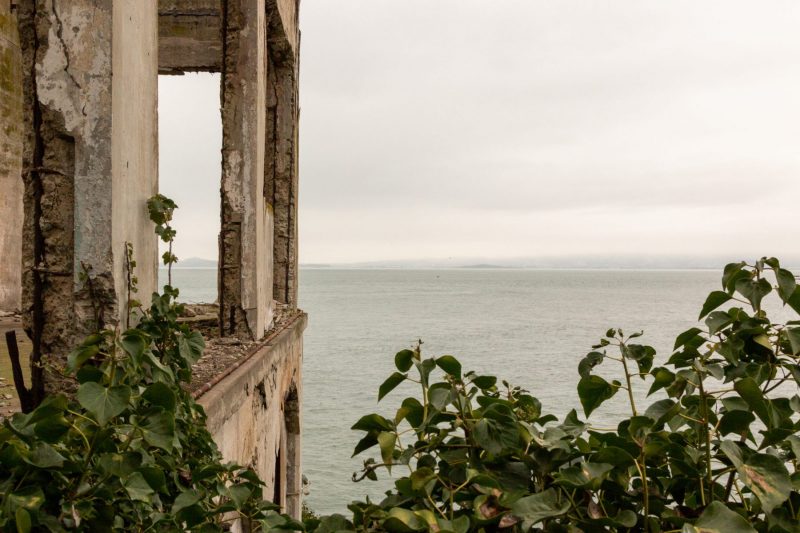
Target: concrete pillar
[(91, 165), (11, 187), (282, 171), (245, 276)]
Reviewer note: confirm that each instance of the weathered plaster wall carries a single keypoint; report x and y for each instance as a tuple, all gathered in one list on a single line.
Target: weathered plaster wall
[(245, 275), (11, 188), (84, 194), (134, 143), (255, 409)]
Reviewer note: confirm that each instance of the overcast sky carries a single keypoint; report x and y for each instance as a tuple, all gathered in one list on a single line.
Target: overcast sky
[(523, 128)]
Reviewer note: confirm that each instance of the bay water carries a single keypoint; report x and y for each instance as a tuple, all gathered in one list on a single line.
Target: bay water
[(530, 327)]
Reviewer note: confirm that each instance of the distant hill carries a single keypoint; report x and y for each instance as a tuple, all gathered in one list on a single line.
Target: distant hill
[(196, 262)]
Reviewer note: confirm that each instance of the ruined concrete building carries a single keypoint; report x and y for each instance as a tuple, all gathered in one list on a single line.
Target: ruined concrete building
[(79, 159)]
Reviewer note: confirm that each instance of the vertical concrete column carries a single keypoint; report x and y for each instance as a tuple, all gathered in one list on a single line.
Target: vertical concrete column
[(245, 278), (282, 173), (11, 187), (134, 141), (83, 197)]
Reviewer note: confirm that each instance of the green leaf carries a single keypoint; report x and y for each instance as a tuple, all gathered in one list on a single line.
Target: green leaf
[(403, 521), (593, 391), (736, 422), (103, 402), (373, 422), (767, 477), (23, 520), (686, 336), (160, 394), (386, 440), (591, 360), (484, 382), (390, 384), (717, 518), (133, 344), (80, 355), (661, 378), (732, 272), (137, 487), (185, 499), (159, 431), (793, 334), (786, 284), (753, 290), (449, 364), (497, 432), (714, 300), (794, 300), (403, 360), (751, 393), (43, 455), (536, 507), (717, 320), (584, 474)]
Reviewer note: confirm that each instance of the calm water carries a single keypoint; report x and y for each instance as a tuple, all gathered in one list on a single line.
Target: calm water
[(530, 327)]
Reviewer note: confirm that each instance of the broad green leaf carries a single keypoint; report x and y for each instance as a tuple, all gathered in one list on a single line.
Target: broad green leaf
[(591, 360), (497, 432), (767, 477), (688, 335), (159, 431), (133, 344), (582, 475), (786, 284), (733, 272), (137, 487), (661, 378), (484, 382), (160, 394), (753, 290), (80, 355), (593, 391), (239, 494), (103, 402), (793, 334), (714, 300), (373, 422), (717, 518), (736, 422), (751, 393), (23, 520), (449, 364), (536, 507), (43, 455), (185, 499), (403, 360), (386, 440), (390, 384), (403, 521), (717, 320)]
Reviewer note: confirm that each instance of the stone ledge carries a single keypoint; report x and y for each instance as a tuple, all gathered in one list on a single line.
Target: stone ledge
[(224, 395)]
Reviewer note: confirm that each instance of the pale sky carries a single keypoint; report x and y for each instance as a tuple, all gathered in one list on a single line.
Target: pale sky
[(524, 128)]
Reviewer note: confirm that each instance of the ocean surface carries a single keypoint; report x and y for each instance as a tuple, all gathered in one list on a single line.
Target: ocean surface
[(530, 327)]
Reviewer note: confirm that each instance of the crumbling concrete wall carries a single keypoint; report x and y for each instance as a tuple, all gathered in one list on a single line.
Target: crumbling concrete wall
[(72, 170), (245, 255), (190, 36), (282, 172), (11, 189), (253, 414)]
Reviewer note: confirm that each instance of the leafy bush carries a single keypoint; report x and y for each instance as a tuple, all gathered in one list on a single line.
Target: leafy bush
[(130, 451), (716, 451)]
